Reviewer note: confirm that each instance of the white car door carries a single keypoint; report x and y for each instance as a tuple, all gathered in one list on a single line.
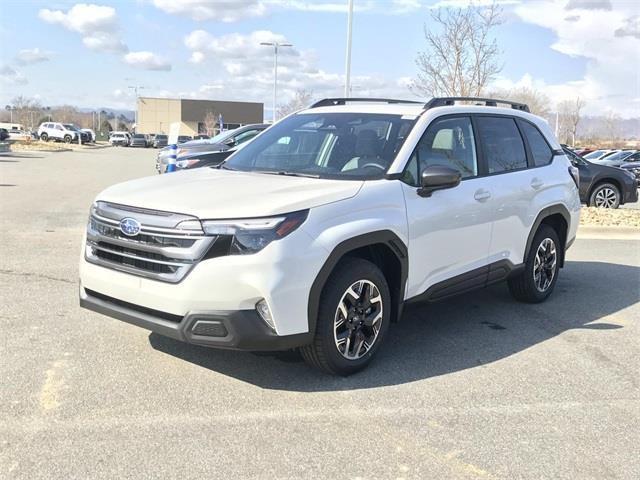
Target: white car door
[(450, 231)]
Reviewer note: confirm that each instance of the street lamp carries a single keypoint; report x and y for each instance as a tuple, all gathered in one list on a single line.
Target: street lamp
[(276, 46), (347, 63), (135, 112)]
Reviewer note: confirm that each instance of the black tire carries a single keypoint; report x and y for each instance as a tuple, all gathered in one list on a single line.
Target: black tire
[(605, 195), (523, 287), (44, 137), (67, 139), (323, 353)]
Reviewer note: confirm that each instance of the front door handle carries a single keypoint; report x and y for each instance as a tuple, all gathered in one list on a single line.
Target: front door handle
[(536, 183), (482, 195)]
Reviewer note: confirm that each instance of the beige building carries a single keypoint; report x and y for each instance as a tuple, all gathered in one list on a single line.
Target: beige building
[(155, 115)]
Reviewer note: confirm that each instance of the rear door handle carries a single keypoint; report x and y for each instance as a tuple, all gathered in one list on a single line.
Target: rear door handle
[(537, 183), (482, 195)]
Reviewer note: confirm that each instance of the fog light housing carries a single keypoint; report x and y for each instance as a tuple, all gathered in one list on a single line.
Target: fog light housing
[(265, 314)]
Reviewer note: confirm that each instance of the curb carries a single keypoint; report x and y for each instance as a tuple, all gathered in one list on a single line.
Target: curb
[(608, 233)]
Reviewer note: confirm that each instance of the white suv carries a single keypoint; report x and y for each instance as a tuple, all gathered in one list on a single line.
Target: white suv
[(63, 132), (317, 233)]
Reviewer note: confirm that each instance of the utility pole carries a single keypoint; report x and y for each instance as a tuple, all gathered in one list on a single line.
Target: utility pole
[(135, 88), (276, 47), (347, 65)]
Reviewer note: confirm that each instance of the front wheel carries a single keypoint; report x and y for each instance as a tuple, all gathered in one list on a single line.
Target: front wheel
[(353, 318), (538, 279), (606, 195), (67, 139)]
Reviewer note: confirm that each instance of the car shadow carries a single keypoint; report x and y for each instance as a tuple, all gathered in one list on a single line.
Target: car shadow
[(436, 339)]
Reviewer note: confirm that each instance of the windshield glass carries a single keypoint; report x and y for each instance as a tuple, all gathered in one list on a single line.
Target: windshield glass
[(70, 126), (221, 136), (138, 135), (328, 145), (616, 156), (594, 154)]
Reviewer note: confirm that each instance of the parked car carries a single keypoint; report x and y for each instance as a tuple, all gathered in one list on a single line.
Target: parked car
[(603, 186), (139, 140), (4, 134), (201, 137), (583, 151), (61, 132), (618, 158), (633, 167), (222, 141), (91, 133), (160, 141), (316, 233), (205, 159), (184, 138), (119, 139)]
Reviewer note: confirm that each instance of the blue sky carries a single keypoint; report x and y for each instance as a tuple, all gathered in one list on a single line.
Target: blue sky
[(87, 54)]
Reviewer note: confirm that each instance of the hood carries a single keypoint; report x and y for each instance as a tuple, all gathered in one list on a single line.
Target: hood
[(630, 165), (209, 193)]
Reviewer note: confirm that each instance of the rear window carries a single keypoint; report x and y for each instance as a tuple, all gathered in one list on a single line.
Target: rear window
[(540, 150), (502, 144)]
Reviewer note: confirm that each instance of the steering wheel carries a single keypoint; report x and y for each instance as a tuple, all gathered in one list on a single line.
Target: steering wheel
[(371, 164)]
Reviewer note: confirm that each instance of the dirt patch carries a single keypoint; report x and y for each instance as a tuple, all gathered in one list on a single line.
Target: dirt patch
[(606, 217)]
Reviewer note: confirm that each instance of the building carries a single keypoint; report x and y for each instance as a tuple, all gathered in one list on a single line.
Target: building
[(155, 115)]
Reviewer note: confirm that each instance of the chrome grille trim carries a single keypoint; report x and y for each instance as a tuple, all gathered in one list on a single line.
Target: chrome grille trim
[(159, 252)]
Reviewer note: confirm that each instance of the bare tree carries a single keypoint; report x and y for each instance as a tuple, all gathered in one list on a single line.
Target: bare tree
[(537, 101), (210, 122), (462, 58), (569, 113), (301, 99)]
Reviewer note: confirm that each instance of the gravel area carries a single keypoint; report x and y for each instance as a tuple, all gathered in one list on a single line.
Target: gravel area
[(606, 217)]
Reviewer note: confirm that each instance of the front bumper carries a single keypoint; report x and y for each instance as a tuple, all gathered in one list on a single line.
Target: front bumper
[(631, 194), (234, 330)]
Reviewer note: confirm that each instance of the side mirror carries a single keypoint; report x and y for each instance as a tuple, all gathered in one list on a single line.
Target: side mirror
[(438, 178), (229, 142)]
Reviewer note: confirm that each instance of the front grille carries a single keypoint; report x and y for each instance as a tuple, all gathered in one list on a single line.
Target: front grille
[(161, 251)]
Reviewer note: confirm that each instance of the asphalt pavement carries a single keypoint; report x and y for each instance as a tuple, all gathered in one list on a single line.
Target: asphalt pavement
[(475, 387)]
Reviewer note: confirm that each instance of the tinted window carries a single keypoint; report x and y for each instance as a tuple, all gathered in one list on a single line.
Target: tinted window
[(502, 144), (447, 142), (540, 151)]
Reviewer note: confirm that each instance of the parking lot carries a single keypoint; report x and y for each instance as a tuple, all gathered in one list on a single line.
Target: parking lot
[(473, 387)]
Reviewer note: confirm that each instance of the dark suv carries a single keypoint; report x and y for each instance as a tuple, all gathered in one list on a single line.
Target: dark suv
[(603, 186)]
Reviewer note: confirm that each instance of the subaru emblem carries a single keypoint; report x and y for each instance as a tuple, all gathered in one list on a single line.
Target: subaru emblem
[(130, 226)]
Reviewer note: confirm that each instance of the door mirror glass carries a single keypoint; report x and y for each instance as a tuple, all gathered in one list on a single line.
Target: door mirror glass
[(438, 177)]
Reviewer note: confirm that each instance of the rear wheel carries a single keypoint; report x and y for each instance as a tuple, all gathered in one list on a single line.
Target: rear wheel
[(605, 195), (354, 315), (538, 279)]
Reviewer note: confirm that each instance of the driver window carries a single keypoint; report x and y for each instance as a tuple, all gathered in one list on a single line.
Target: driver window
[(448, 142)]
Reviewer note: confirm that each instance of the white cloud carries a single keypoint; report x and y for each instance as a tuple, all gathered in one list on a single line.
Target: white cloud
[(97, 24), (9, 76), (147, 61), (612, 78), (222, 10), (30, 56)]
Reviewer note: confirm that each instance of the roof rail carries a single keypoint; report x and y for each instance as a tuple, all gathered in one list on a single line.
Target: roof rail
[(489, 102), (329, 102)]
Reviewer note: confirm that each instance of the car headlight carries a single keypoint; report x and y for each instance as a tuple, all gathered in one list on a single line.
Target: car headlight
[(253, 234)]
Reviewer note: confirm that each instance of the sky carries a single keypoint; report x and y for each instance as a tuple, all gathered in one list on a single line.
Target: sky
[(89, 54)]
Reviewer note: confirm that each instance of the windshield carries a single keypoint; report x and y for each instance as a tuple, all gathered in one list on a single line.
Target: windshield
[(70, 126), (594, 154), (221, 136), (328, 145), (138, 135), (616, 156)]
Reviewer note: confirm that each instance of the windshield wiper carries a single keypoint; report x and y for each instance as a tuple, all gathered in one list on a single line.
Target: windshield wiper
[(288, 174)]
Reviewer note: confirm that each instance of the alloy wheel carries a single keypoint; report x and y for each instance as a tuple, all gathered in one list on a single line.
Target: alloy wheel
[(606, 198), (358, 319), (544, 265)]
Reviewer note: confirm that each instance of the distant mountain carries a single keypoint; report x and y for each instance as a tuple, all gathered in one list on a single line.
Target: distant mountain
[(128, 114)]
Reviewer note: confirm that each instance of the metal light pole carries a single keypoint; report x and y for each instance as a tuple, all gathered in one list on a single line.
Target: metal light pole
[(135, 112), (347, 65), (275, 46)]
